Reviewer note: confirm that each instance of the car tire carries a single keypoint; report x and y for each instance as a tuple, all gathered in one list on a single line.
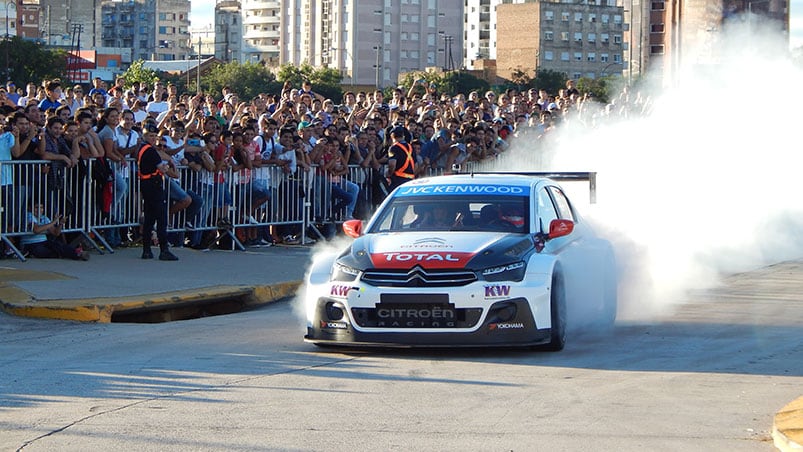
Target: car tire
[(557, 307)]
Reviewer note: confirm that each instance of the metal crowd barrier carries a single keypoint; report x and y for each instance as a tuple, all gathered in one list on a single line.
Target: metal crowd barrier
[(59, 189), (101, 208)]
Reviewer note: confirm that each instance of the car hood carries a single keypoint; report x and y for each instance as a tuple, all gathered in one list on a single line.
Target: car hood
[(471, 250)]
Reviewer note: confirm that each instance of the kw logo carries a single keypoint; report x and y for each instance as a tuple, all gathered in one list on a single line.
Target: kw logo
[(340, 291), (497, 291)]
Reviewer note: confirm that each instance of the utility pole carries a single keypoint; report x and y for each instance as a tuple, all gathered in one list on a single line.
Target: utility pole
[(198, 69)]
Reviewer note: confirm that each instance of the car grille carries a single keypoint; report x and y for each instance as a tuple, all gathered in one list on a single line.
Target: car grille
[(416, 315), (418, 277)]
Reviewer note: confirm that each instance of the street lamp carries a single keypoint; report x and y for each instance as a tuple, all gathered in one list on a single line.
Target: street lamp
[(603, 71), (5, 46), (377, 67)]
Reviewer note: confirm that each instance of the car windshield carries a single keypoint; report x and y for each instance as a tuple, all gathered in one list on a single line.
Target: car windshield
[(495, 213)]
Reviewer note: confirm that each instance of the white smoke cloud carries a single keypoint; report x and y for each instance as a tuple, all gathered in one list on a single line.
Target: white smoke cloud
[(706, 184)]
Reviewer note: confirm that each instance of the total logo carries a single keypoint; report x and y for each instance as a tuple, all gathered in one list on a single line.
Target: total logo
[(333, 325), (497, 291), (426, 259), (505, 326)]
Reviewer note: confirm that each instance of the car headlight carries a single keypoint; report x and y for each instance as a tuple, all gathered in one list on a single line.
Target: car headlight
[(510, 272), (342, 272)]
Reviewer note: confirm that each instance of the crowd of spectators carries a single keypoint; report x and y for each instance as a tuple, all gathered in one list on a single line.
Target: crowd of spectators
[(297, 130)]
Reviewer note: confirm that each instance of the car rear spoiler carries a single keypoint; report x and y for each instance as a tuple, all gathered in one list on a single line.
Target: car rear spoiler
[(572, 176)]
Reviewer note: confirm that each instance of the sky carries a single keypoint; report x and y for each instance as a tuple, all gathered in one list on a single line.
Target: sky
[(203, 13)]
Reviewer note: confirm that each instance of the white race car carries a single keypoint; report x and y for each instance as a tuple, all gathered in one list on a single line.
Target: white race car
[(463, 260)]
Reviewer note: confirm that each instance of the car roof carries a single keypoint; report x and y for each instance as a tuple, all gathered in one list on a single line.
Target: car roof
[(516, 180)]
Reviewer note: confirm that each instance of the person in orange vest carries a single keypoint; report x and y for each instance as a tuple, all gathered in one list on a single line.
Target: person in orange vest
[(152, 169), (401, 163)]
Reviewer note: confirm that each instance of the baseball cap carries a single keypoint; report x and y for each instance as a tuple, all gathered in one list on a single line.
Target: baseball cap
[(303, 125)]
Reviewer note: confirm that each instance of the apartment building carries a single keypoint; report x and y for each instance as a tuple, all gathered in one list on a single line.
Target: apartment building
[(262, 31), (371, 42), (228, 37), (479, 36), (152, 29), (580, 39)]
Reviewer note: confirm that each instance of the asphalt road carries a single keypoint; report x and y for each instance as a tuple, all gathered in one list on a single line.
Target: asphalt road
[(709, 376)]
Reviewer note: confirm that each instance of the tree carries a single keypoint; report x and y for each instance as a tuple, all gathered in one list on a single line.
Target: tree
[(246, 79), (600, 88), (462, 82), (137, 72), (325, 81), (520, 78), (28, 61), (551, 81)]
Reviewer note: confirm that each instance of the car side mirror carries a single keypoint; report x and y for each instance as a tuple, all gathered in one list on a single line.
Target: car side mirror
[(353, 228), (560, 228)]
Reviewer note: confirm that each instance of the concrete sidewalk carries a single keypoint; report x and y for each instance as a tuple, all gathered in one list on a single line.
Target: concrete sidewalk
[(118, 284)]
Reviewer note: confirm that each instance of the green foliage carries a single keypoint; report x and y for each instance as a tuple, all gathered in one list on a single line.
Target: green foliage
[(520, 79), (451, 83), (246, 79), (600, 88), (137, 72), (462, 82), (551, 81), (29, 61), (325, 81)]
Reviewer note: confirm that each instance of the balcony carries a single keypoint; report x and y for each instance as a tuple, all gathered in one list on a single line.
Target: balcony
[(268, 49), (262, 20), (261, 34), (261, 4)]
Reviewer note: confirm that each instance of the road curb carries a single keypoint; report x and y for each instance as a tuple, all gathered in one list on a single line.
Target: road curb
[(17, 302), (787, 427)]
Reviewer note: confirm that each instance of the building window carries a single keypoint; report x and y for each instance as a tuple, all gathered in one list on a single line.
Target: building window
[(549, 55), (658, 6), (605, 38), (578, 17), (592, 38), (564, 16), (617, 19), (656, 28), (564, 56), (617, 58), (578, 56), (603, 57), (592, 57), (578, 37), (564, 35), (592, 18), (577, 75), (617, 39), (548, 35), (605, 18), (549, 15), (657, 49)]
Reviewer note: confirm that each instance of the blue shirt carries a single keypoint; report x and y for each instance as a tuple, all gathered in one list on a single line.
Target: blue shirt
[(32, 220), (6, 143), (47, 104)]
